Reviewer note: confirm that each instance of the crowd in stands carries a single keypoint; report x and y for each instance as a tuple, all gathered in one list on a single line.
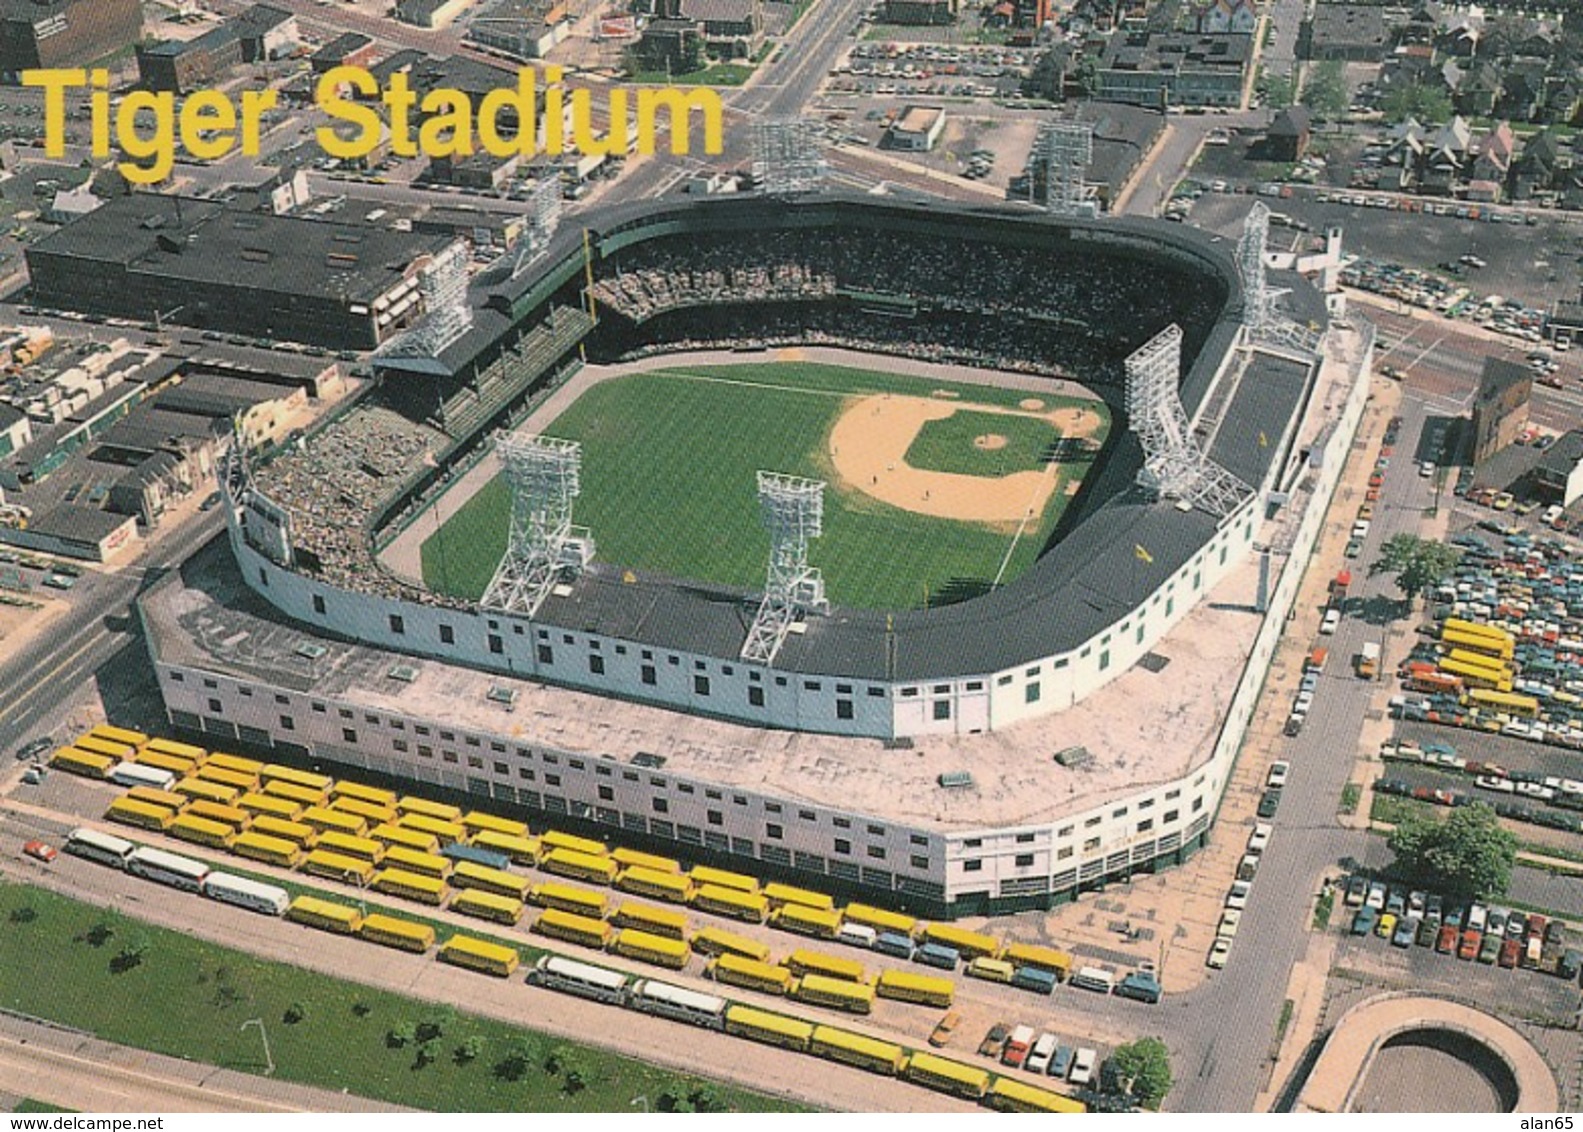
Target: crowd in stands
[(1114, 302), (332, 481)]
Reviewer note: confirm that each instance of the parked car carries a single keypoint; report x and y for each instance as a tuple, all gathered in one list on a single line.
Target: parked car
[(1357, 889), (995, 1040), (1468, 948), (1238, 896), (1376, 897), (1446, 941), (1278, 772), (1218, 952), (1406, 931), (1365, 920), (944, 1028), (1269, 803), (1259, 840), (1229, 921), (1331, 621), (1083, 1063)]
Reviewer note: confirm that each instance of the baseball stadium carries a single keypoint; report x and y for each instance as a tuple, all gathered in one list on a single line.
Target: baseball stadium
[(913, 550)]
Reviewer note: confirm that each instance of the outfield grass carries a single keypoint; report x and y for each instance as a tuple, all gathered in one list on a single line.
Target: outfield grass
[(65, 961), (948, 445), (668, 486)]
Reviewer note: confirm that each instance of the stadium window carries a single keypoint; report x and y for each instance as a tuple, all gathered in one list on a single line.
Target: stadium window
[(975, 685), (1199, 781), (1062, 663), (212, 685), (397, 725), (1023, 861), (685, 788), (566, 639), (447, 635), (448, 736), (502, 769), (876, 691), (497, 643), (743, 846), (318, 604), (674, 661), (700, 666), (1121, 813), (177, 678), (1170, 794), (810, 686), (474, 762), (596, 664), (1198, 804), (371, 720), (1002, 681), (525, 774), (498, 748), (593, 644), (1064, 854), (715, 817), (807, 815), (1171, 815), (1065, 831), (843, 846), (621, 650), (739, 800), (1034, 671), (494, 624), (1024, 839), (399, 745), (973, 866), (1091, 844), (287, 723), (772, 807), (755, 676), (1138, 640), (344, 713), (907, 692), (941, 689), (552, 780), (1145, 825), (1170, 606), (348, 735), (577, 764), (1104, 659), (263, 577), (647, 654), (1030, 694), (1198, 579), (425, 751), (544, 634), (713, 795), (843, 709), (1092, 822), (420, 729), (1087, 649), (942, 709), (1146, 804), (1222, 556), (843, 689), (918, 839), (215, 707), (280, 699), (973, 843), (876, 831), (398, 623), (755, 696), (245, 692), (780, 681), (657, 783), (700, 685), (648, 675), (448, 756), (727, 670), (773, 831), (920, 863), (606, 794)]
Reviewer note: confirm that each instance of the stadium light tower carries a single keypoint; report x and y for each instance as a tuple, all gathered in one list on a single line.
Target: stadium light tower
[(788, 156), (793, 510), (446, 317), (1262, 323), (543, 217), (1062, 151), (1174, 467), (544, 476)]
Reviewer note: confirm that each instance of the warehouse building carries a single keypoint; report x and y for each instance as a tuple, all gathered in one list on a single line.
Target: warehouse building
[(64, 33), (198, 263)]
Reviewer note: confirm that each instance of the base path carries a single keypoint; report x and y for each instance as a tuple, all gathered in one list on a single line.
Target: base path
[(868, 450)]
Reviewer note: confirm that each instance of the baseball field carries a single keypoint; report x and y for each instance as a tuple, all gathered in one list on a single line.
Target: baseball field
[(935, 492)]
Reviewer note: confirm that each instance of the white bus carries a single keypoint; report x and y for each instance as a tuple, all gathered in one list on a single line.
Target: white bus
[(167, 868), (581, 979), (269, 899), (101, 847), (654, 997), (136, 774)]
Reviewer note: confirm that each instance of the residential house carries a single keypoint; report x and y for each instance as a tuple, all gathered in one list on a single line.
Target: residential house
[(1288, 136), (1446, 157), (1220, 17), (1479, 89), (1492, 158), (1460, 38), (1537, 168), (1522, 89)]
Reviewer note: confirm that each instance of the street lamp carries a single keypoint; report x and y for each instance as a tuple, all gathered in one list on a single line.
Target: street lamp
[(269, 1061)]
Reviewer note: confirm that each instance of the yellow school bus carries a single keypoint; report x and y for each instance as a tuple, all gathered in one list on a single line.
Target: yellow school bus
[(392, 932), (375, 794), (650, 948), (144, 815), (573, 928), (487, 906), (737, 971), (646, 917), (225, 776), (521, 850), (412, 804), (781, 894), (476, 822), (581, 866), (632, 859), (466, 874), (717, 941), (651, 882), (305, 836), (270, 850), (855, 998), (86, 763), (733, 902), (413, 886), (855, 1049), (338, 866), (480, 955), (202, 831), (774, 1029), (570, 898), (259, 805), (325, 914)]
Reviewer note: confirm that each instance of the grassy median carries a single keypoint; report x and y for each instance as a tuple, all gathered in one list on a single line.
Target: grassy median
[(152, 988)]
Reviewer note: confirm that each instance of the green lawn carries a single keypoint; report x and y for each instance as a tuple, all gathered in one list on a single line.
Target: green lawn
[(67, 961), (948, 445), (668, 486), (28, 1104)]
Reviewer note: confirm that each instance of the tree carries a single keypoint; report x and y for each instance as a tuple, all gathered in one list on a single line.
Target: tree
[(471, 1049), (1468, 855), (295, 1013), (1426, 104), (1417, 564), (1278, 90), (403, 1035), (1325, 92), (1144, 1067)]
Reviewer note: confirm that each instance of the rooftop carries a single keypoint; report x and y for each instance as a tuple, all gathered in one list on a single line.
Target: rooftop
[(1152, 724), (207, 243)]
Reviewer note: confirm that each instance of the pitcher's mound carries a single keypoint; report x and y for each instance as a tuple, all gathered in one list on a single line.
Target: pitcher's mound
[(989, 441), (1031, 403)]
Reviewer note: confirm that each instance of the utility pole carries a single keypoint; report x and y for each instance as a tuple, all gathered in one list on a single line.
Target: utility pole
[(269, 1060)]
